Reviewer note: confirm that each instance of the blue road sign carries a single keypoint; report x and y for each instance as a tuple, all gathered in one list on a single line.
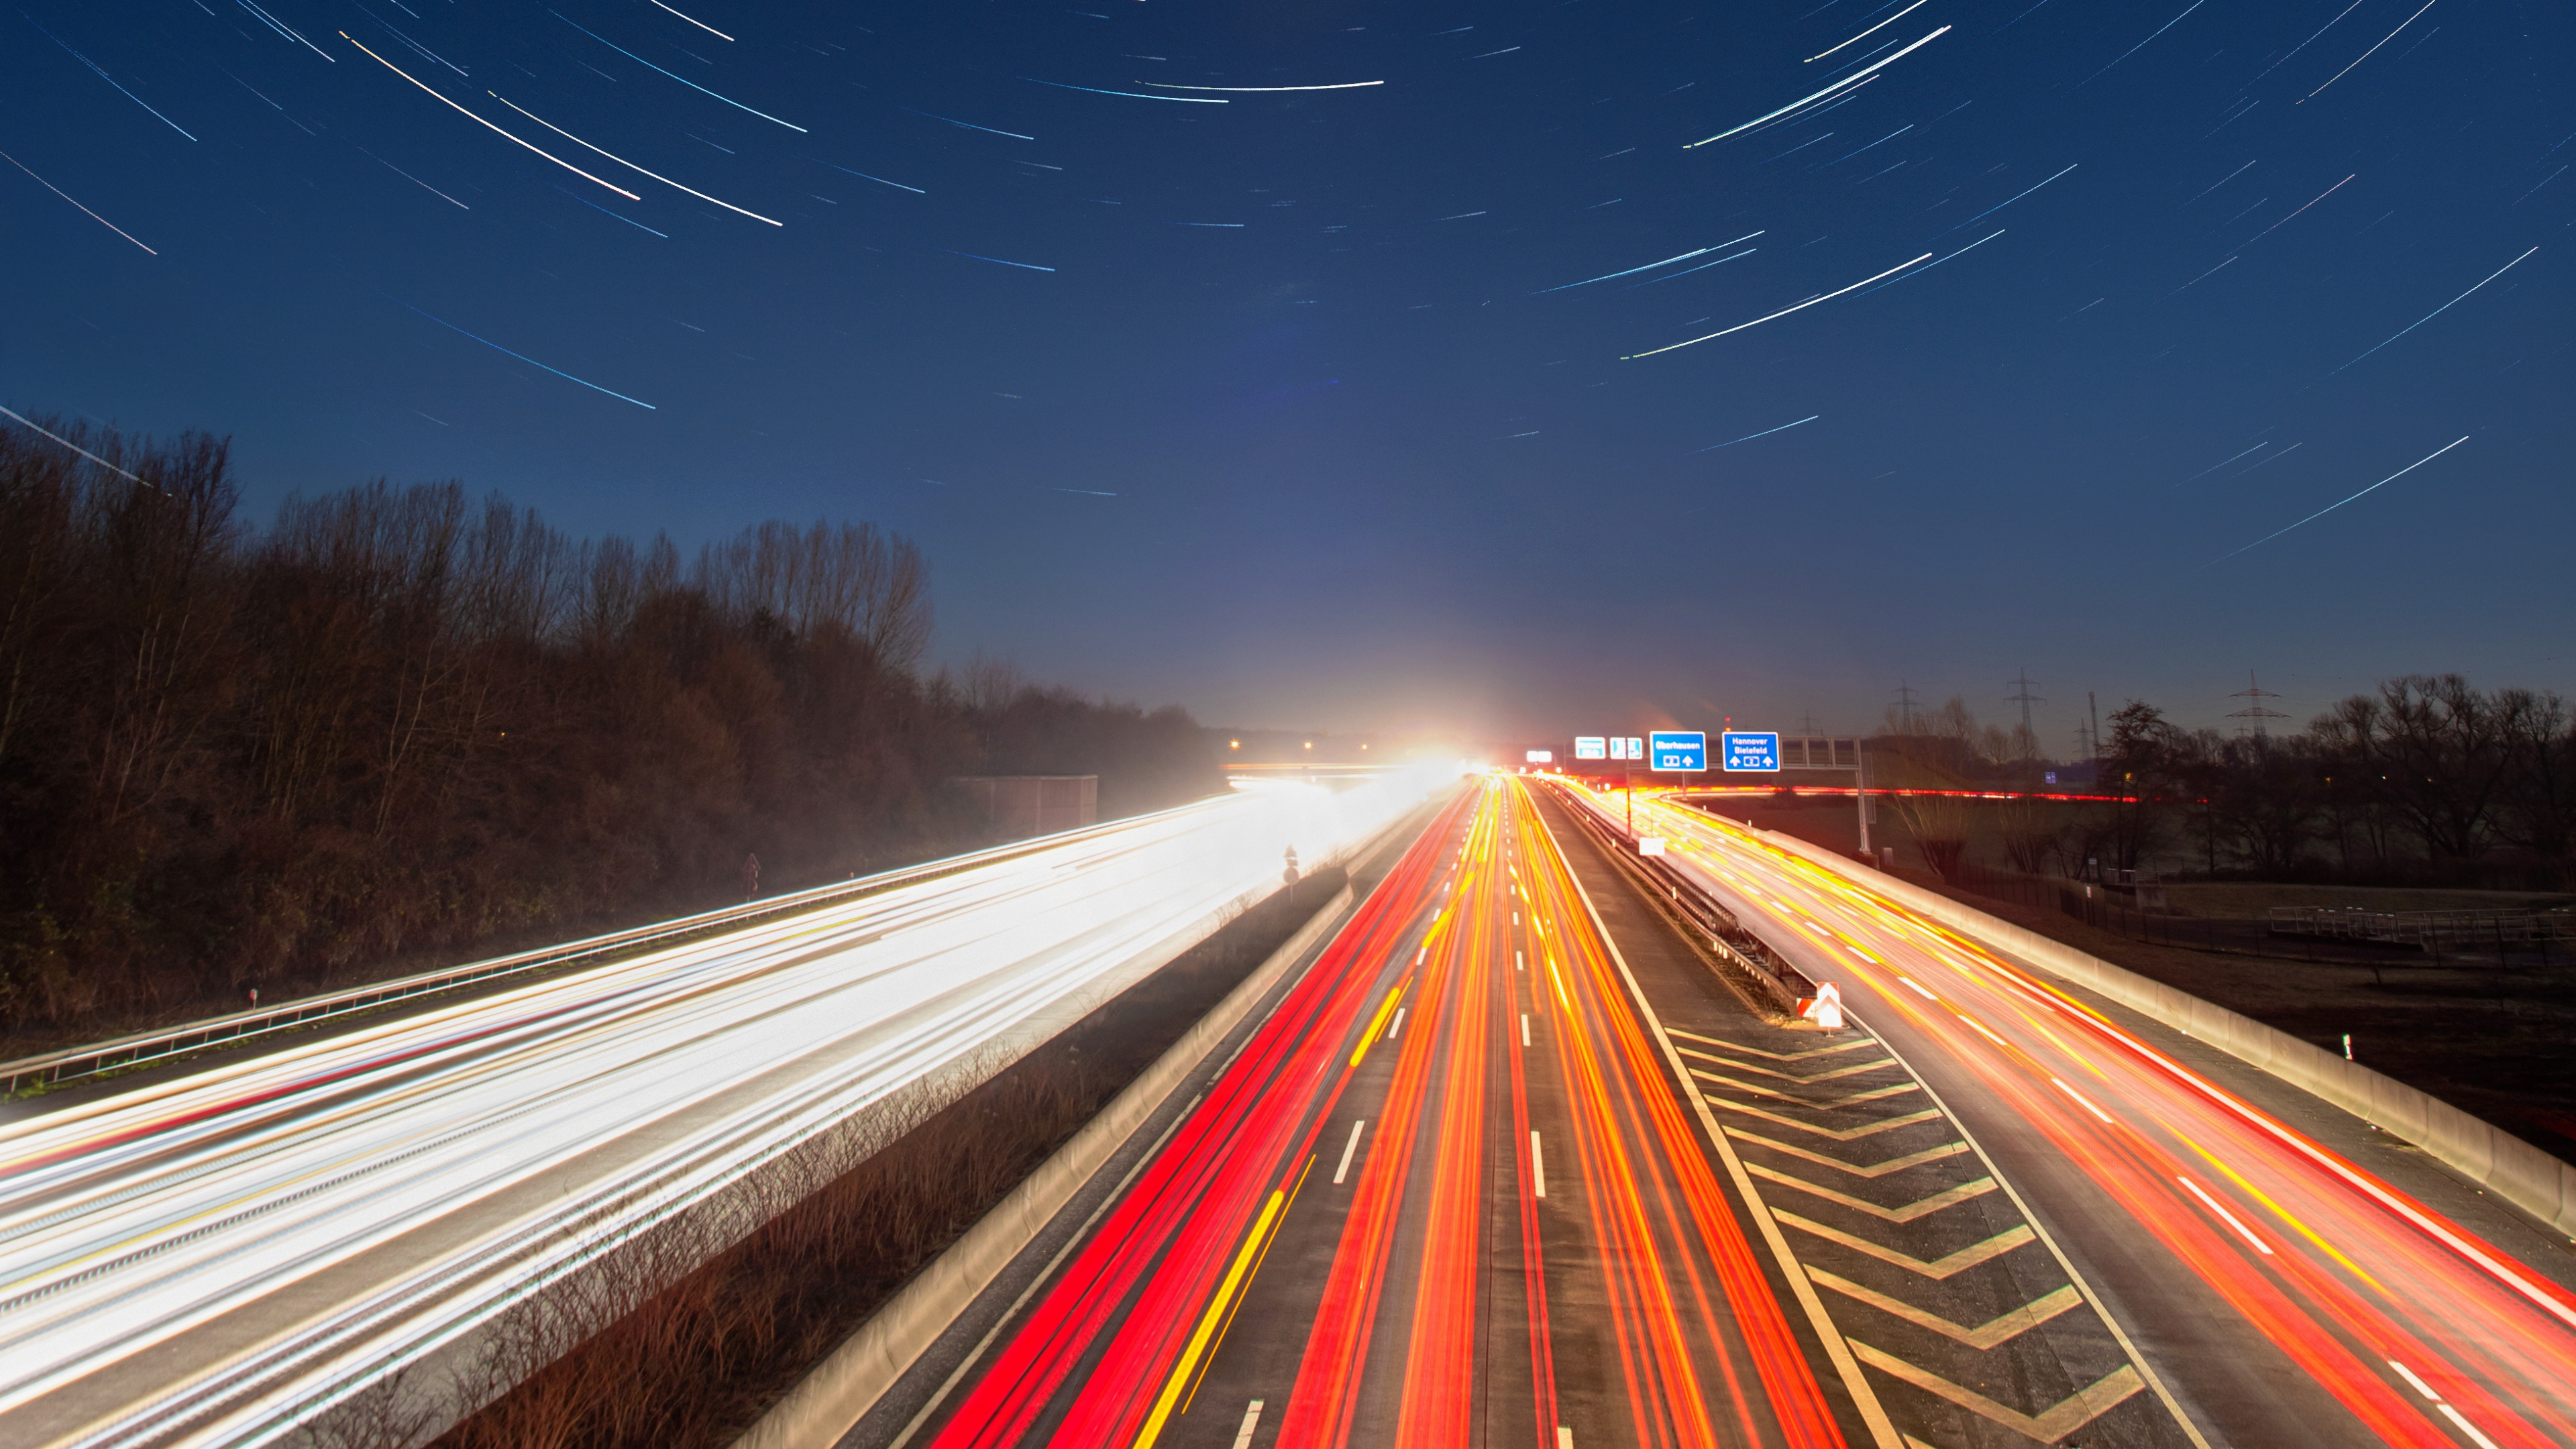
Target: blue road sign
[(1751, 750), (1589, 747), (1681, 750)]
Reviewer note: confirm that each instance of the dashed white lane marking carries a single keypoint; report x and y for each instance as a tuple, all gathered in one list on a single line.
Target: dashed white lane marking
[(1354, 1145)]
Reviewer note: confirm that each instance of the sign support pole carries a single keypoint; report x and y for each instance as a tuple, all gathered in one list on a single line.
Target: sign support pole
[(1860, 794)]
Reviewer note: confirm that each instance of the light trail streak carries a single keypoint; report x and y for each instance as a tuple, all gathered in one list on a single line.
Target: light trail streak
[(1139, 95), (693, 85), (478, 120), (2311, 40), (1749, 437), (1783, 312), (2141, 45), (978, 256), (863, 176), (2276, 226), (1828, 90), (2436, 312), (969, 125), (702, 25), (1686, 271), (2319, 1298), (85, 211), (102, 75), (2000, 205), (33, 426), (1344, 86), (2340, 502), (1963, 251), (1864, 35), (631, 166), (2367, 54), (130, 1222), (523, 357), (1632, 271)]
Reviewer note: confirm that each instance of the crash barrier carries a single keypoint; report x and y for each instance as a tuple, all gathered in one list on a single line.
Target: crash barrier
[(823, 1406), (1786, 985), (2489, 1156), (122, 1053)]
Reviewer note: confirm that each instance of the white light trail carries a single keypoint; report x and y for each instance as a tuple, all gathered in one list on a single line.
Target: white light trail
[(1864, 35), (67, 196), (478, 120), (702, 25), (1828, 90), (2331, 507), (1344, 86), (629, 165), (2420, 321), (1783, 312), (427, 1173)]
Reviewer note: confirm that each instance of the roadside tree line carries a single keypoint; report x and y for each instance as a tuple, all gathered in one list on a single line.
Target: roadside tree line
[(2424, 780), (402, 722)]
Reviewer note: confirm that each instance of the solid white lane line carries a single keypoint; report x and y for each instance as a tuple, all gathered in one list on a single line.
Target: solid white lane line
[(2408, 1375), (1538, 1165), (2079, 1100), (2242, 1231), (1351, 1147), (2456, 1417)]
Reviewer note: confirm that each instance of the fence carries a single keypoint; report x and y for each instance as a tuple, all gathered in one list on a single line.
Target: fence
[(2359, 938)]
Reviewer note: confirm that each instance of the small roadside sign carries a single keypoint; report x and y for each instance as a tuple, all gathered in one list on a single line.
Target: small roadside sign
[(1681, 751), (1752, 750)]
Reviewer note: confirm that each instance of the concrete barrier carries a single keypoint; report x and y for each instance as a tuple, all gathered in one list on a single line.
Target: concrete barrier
[(2529, 1178), (831, 1399)]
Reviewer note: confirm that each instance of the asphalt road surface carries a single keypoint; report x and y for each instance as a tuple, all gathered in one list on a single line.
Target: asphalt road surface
[(1512, 1164)]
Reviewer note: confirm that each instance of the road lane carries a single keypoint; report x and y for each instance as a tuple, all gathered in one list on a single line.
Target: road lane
[(215, 1257), (2301, 1297), (1446, 1195)]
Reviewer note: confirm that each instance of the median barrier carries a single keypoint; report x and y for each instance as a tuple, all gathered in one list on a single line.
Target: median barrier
[(829, 1401), (2523, 1175)]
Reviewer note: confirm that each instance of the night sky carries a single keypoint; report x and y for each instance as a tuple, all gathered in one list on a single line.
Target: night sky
[(1286, 404)]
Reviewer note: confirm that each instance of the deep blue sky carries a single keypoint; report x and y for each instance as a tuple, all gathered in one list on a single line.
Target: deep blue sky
[(1365, 471)]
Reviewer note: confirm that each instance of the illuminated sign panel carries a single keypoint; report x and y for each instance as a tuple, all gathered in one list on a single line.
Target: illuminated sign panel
[(1749, 750), (1681, 751)]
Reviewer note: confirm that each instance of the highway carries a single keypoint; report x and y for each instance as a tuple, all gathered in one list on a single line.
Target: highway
[(1446, 1194), (214, 1258), (1511, 1165), (2287, 1289)]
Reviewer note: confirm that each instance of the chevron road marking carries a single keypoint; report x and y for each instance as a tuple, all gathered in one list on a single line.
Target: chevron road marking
[(1791, 1076), (2050, 1425), (1906, 1214), (1984, 1336), (1839, 1134), (1882, 1169), (1840, 1046), (1956, 1263), (1900, 1089)]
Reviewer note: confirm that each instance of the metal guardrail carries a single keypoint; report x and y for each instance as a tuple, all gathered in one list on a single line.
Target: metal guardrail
[(1725, 932), (72, 1063)]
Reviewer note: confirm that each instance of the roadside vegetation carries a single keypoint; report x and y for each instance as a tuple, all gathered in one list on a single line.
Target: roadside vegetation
[(402, 726), (2425, 782)]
